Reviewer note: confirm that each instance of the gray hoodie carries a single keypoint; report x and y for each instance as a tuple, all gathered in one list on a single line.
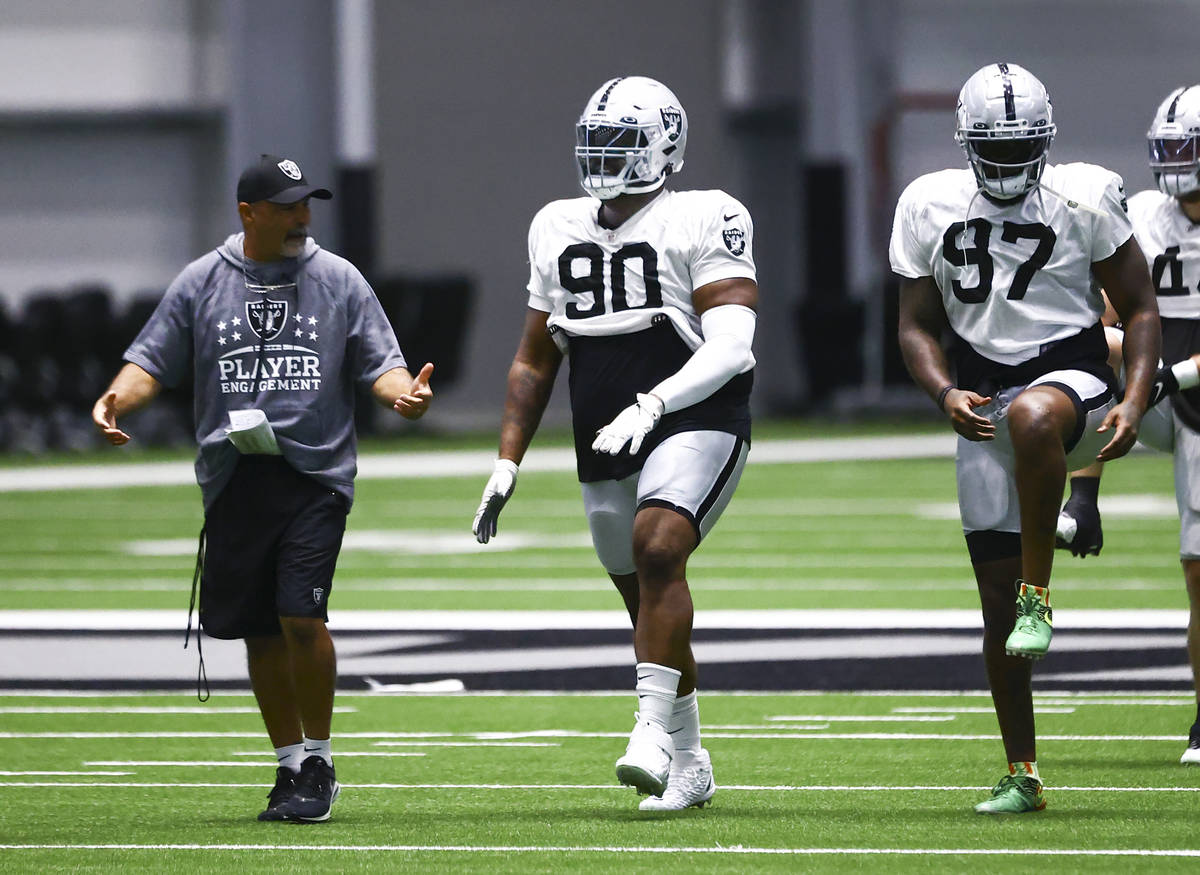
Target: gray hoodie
[(315, 325)]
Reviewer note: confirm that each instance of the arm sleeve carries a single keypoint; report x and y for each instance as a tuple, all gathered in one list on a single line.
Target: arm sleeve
[(539, 283), (1113, 228), (371, 346), (728, 335), (724, 243), (163, 348)]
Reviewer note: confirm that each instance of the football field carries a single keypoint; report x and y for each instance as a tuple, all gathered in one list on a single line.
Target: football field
[(485, 691)]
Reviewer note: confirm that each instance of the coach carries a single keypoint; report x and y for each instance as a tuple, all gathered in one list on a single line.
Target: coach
[(277, 332)]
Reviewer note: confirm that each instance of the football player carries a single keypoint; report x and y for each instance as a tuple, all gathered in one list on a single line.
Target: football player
[(1000, 256), (650, 294), (1166, 224)]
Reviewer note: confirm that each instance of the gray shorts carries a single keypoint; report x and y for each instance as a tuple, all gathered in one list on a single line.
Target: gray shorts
[(693, 473), (987, 487)]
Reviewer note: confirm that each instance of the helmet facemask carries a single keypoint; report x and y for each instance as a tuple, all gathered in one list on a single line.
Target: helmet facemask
[(616, 159), (1007, 164), (630, 137), (1174, 142), (1005, 124)]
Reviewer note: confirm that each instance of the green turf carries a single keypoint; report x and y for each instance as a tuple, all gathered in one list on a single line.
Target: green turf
[(795, 536), (844, 535), (1140, 797)]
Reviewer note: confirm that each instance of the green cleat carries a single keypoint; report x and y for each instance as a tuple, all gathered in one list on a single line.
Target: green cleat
[(1034, 628), (1015, 794)]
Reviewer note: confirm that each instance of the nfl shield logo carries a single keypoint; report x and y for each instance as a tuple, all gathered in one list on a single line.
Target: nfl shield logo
[(267, 318), (318, 594), (735, 240), (290, 168), (672, 122)]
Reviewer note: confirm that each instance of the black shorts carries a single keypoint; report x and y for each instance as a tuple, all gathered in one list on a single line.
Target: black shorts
[(273, 540)]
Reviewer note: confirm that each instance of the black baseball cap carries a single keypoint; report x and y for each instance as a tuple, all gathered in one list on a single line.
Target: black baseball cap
[(278, 180)]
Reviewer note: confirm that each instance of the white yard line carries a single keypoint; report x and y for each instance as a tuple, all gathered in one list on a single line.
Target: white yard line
[(740, 788), (736, 850), (147, 709), (470, 463), (425, 621), (569, 733)]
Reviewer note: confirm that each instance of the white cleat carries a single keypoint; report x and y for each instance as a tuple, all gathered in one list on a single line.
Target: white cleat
[(1191, 756), (647, 760), (690, 785)]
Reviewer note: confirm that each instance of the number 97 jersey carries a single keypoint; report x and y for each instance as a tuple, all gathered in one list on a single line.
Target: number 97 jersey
[(595, 281), (1014, 275)]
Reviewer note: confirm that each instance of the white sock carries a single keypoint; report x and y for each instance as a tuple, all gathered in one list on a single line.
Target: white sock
[(656, 687), (685, 724), (322, 747), (290, 755)]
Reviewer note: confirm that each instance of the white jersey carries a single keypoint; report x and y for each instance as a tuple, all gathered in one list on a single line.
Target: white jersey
[(594, 281), (1171, 244), (1013, 275)]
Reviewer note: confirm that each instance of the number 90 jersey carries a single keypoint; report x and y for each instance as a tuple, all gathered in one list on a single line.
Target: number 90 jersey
[(594, 281), (1014, 275)]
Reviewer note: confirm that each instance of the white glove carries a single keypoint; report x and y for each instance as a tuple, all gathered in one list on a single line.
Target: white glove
[(630, 427), (499, 489)]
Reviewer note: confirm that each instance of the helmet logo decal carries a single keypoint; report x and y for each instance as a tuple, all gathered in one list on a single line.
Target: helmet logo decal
[(672, 122), (735, 240), (290, 168)]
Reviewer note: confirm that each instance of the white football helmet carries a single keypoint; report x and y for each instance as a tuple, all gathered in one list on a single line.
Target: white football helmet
[(1173, 136), (1005, 125), (630, 137)]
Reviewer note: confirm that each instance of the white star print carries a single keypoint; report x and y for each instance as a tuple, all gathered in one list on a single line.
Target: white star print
[(299, 333), (221, 341), (237, 320), (312, 335), (298, 318), (237, 335), (312, 320), (220, 326)]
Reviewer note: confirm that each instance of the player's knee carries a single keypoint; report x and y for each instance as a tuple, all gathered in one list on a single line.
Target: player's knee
[(303, 632), (659, 559), (1036, 420)]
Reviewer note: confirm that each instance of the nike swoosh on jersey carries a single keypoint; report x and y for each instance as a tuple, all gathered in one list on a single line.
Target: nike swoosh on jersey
[(733, 216)]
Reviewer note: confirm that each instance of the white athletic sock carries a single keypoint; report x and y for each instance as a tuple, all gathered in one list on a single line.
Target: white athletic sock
[(290, 755), (322, 747), (656, 687), (685, 724)]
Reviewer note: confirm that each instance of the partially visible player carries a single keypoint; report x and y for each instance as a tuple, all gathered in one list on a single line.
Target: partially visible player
[(651, 295), (1002, 256), (1166, 223)]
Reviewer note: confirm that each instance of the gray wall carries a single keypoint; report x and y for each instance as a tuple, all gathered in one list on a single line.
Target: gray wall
[(477, 106)]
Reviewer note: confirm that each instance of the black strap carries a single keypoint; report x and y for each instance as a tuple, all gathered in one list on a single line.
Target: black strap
[(201, 674)]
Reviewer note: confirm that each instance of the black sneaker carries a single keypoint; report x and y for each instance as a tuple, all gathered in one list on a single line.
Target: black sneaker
[(1191, 756), (285, 784), (314, 794)]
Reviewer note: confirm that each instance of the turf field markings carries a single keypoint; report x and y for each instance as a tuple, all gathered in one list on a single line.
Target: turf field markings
[(570, 733), (854, 718), (146, 709), (734, 850), (973, 710), (736, 788), (231, 763), (64, 774)]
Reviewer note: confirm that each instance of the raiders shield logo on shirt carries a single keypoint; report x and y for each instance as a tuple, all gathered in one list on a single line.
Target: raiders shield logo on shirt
[(267, 318), (735, 240)]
